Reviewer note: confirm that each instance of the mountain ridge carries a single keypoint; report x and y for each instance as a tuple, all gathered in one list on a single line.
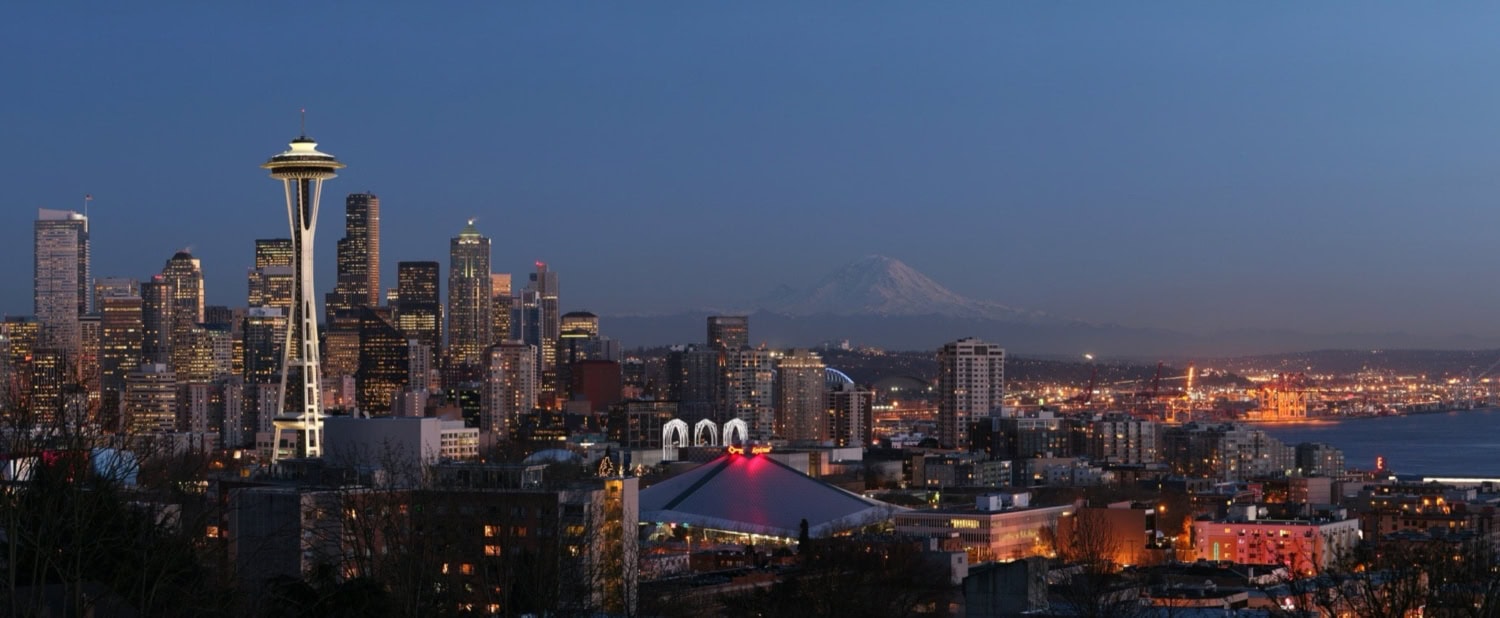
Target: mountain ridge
[(880, 301), (877, 285)]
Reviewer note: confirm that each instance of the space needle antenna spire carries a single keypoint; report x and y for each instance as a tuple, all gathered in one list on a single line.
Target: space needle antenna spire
[(298, 429)]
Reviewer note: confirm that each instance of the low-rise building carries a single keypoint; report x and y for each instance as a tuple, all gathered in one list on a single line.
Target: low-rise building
[(1305, 545), (1001, 526)]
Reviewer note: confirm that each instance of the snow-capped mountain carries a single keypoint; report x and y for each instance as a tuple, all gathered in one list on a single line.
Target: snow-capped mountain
[(877, 285)]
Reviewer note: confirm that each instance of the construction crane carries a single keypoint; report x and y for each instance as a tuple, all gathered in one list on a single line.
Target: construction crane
[(1088, 393)]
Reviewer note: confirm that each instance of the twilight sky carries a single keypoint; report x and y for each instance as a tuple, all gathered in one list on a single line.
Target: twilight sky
[(1196, 166)]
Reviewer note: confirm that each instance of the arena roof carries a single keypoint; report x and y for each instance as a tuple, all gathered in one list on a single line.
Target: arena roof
[(756, 494)]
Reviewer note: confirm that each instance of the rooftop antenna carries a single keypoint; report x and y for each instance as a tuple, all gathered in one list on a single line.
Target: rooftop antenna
[(304, 122)]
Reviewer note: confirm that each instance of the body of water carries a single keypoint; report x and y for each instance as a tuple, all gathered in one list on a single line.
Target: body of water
[(1455, 444)]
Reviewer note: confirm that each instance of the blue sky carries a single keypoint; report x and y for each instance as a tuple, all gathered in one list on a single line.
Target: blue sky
[(1199, 166)]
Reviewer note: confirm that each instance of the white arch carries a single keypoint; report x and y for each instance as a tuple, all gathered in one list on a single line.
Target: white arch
[(702, 427), (733, 426), (676, 427), (833, 376)]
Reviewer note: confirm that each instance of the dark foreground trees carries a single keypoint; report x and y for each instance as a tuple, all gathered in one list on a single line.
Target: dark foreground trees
[(854, 578), (75, 542)]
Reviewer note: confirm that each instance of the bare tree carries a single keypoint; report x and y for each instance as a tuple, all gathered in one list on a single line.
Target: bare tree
[(78, 536), (853, 577), (1088, 547)]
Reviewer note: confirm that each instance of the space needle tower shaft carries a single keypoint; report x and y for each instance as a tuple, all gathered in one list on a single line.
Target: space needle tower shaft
[(299, 427)]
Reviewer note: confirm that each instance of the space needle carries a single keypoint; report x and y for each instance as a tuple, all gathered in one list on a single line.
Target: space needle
[(299, 427)]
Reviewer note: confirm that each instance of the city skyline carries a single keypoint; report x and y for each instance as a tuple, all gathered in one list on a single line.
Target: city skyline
[(1298, 185)]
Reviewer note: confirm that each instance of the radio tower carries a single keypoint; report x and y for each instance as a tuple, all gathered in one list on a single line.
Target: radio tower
[(299, 427)]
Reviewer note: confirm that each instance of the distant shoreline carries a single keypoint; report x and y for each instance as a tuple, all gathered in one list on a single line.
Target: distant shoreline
[(1333, 420)]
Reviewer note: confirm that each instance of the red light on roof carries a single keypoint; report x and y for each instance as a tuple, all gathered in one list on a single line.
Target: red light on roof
[(754, 449)]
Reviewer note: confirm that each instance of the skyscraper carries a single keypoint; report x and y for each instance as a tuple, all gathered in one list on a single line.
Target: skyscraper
[(579, 341), (971, 385), (470, 325), (500, 309), (270, 282), (105, 287), (84, 368), (419, 310), (299, 428), (341, 345), (580, 323), (157, 310), (61, 276), (358, 283), (544, 281), (693, 381), (728, 332), (526, 317), (121, 326), (265, 335), (383, 361), (206, 355), (801, 399), (53, 396), (185, 273)]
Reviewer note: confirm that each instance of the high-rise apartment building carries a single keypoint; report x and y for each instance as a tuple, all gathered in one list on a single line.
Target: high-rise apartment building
[(419, 308), (150, 400), (470, 325), (60, 276), (1227, 451), (971, 385), (1123, 439), (358, 283), (851, 415), (801, 397), (509, 387), (747, 391), (419, 367), (728, 332)]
